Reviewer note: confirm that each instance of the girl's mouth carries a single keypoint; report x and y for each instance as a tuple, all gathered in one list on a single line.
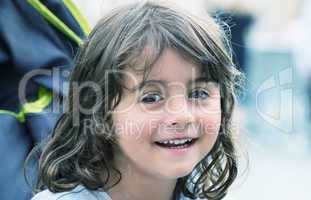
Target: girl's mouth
[(176, 143)]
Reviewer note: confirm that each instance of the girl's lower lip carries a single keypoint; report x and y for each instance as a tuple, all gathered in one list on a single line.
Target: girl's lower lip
[(178, 151)]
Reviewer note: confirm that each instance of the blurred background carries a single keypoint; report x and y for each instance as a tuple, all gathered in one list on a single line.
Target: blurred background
[(272, 46)]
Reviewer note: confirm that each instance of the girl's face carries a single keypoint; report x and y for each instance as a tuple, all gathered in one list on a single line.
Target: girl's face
[(169, 122)]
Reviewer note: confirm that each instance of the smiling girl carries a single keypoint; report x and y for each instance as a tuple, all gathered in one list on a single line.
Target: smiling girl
[(151, 117)]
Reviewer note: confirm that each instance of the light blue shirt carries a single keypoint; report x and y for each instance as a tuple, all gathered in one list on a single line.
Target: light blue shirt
[(78, 193)]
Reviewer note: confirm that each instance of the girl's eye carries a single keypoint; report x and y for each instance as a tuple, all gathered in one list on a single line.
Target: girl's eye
[(151, 98), (199, 94)]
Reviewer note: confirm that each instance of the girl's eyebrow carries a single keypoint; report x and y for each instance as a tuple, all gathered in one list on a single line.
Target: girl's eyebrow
[(164, 83)]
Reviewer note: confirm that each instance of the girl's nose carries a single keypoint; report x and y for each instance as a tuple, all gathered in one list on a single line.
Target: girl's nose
[(179, 113)]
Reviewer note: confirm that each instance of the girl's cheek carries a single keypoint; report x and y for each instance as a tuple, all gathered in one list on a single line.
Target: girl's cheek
[(137, 128), (210, 125)]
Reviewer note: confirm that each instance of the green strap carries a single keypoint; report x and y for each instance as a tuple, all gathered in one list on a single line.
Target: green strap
[(19, 116), (45, 95), (54, 20), (78, 16), (44, 99)]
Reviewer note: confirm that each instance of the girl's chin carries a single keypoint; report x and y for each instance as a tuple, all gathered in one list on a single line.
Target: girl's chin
[(177, 173)]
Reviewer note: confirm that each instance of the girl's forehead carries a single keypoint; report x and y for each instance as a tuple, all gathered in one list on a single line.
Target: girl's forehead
[(170, 67)]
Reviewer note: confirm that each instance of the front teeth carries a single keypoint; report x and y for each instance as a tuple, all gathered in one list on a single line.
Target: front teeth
[(176, 141)]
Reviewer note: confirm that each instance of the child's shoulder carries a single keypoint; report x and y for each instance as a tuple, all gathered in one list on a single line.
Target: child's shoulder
[(78, 193), (81, 193), (182, 197)]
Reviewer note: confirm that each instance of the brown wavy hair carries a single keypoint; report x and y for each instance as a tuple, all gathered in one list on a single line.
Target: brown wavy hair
[(81, 148)]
